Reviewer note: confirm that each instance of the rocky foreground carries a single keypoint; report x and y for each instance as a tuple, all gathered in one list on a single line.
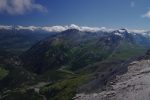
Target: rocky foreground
[(133, 85)]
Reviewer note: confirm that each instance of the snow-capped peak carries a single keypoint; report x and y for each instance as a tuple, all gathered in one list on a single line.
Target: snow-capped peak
[(122, 30), (60, 28), (119, 34)]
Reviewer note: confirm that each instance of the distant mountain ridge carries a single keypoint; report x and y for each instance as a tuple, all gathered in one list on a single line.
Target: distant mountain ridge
[(59, 28), (23, 37), (57, 50), (18, 41)]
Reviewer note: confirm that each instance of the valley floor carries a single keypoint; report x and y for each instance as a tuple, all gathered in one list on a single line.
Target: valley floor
[(133, 85)]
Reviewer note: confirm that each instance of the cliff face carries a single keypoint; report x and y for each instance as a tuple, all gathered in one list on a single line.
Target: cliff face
[(133, 85)]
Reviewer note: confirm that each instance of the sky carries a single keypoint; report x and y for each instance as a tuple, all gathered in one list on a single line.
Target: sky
[(131, 14)]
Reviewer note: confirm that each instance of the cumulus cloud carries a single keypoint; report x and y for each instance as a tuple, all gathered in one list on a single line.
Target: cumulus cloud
[(72, 26), (137, 31), (31, 28), (87, 29), (146, 15), (58, 28), (5, 27), (141, 32), (54, 29), (19, 7)]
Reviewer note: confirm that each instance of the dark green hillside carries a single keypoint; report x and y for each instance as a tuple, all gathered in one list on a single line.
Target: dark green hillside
[(21, 95), (66, 63), (71, 48), (18, 41), (66, 57), (76, 49), (12, 74)]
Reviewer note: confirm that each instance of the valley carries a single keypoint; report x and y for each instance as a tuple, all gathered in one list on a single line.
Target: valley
[(68, 63)]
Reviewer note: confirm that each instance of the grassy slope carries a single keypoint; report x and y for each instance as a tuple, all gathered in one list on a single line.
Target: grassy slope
[(64, 89), (3, 73), (21, 95), (126, 51)]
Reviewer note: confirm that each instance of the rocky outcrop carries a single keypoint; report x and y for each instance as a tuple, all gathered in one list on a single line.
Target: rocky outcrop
[(134, 85)]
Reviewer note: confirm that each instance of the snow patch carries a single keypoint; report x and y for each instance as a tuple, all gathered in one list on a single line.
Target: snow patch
[(116, 33), (122, 30)]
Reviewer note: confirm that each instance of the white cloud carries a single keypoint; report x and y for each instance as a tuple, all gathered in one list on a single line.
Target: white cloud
[(19, 7), (58, 28), (31, 28), (132, 4), (72, 26), (5, 27), (54, 29), (137, 31), (87, 29), (147, 15)]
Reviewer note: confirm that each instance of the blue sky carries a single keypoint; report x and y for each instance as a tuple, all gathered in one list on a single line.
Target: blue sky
[(132, 14)]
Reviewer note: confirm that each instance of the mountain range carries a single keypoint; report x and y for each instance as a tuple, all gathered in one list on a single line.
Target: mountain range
[(53, 65), (17, 41)]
